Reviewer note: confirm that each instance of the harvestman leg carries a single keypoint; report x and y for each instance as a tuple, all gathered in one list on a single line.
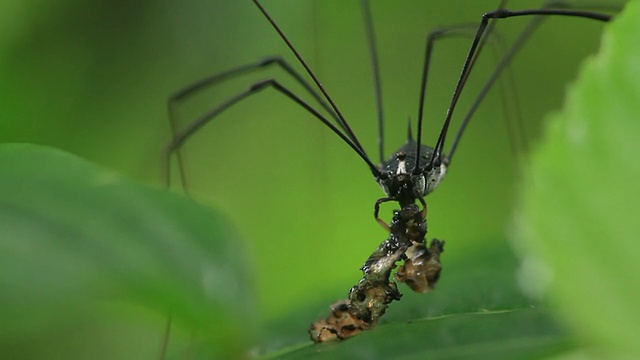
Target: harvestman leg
[(180, 139), (431, 38), (211, 81), (486, 17), (524, 35)]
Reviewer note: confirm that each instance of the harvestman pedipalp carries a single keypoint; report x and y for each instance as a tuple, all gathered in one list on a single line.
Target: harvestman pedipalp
[(415, 169)]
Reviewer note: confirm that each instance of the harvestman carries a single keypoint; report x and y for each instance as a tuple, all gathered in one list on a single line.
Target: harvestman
[(411, 173)]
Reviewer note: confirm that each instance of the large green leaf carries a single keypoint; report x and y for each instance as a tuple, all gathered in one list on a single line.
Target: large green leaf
[(92, 265), (582, 195)]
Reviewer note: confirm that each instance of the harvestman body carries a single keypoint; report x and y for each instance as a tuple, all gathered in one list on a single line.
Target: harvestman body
[(414, 171)]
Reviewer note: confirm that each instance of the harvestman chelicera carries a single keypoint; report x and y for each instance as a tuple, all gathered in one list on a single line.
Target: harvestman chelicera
[(411, 173)]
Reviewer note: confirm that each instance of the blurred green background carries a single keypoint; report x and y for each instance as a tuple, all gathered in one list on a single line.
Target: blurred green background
[(93, 77)]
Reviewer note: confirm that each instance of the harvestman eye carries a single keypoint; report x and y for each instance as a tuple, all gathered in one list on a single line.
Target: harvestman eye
[(406, 176)]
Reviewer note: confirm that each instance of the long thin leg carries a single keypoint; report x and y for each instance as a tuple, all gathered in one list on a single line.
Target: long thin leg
[(499, 14), (181, 95), (512, 115), (165, 339), (180, 139), (375, 67), (423, 87), (314, 78), (522, 38), (210, 81), (454, 30), (508, 96), (433, 161)]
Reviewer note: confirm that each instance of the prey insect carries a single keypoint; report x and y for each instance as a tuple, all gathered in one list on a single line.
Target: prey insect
[(369, 298), (411, 173)]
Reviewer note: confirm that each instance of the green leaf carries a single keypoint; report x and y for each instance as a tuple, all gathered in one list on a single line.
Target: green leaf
[(93, 265), (491, 335), (581, 197)]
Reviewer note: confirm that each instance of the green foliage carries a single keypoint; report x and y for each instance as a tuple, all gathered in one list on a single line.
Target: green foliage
[(85, 251), (581, 197), (93, 264)]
